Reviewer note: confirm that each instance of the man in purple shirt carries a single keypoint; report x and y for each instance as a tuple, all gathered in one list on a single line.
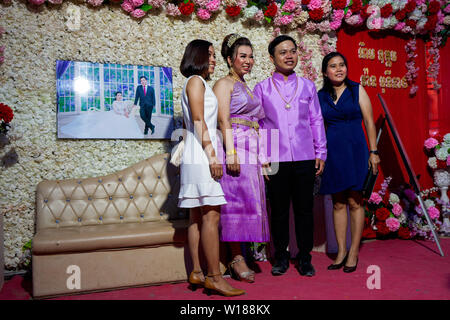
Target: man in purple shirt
[(292, 109)]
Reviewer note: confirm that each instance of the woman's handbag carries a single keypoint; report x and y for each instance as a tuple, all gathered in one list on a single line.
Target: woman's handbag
[(177, 154)]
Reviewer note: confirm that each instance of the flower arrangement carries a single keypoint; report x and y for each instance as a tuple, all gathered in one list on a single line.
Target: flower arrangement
[(385, 216), (418, 223), (407, 16), (438, 151), (412, 71), (10, 157)]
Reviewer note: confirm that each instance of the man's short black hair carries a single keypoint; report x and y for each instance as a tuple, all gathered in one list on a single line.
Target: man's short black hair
[(281, 38), (142, 77)]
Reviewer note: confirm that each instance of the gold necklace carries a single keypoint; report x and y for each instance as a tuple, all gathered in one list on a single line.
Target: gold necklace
[(288, 104), (237, 78)]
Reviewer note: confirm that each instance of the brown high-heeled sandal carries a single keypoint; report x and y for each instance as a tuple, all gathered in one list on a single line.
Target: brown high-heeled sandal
[(211, 286), (195, 280), (246, 276)]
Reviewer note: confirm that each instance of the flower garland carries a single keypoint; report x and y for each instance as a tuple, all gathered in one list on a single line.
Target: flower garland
[(433, 68), (411, 73), (438, 151)]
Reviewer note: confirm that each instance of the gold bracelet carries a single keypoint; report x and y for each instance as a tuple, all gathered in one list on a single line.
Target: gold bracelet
[(232, 152)]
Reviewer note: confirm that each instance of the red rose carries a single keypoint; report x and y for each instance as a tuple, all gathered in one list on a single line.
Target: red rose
[(382, 229), (431, 22), (316, 14), (187, 8), (233, 11), (364, 14), (439, 137), (410, 6), (369, 233), (404, 233), (382, 214), (433, 7), (386, 10), (411, 23), (6, 113), (306, 2), (441, 164), (400, 15), (356, 6), (271, 10), (338, 4)]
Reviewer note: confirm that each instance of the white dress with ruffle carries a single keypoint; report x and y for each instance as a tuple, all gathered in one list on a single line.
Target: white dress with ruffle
[(197, 187)]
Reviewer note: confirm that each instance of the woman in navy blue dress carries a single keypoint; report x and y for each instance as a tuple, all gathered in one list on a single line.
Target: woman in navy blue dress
[(345, 105)]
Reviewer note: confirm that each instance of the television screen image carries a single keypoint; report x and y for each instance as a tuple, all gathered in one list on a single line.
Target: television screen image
[(113, 101)]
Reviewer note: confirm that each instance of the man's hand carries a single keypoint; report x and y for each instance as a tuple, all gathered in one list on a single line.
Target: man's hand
[(320, 165)]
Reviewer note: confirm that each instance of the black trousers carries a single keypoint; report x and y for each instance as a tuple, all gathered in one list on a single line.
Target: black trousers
[(146, 116), (293, 181)]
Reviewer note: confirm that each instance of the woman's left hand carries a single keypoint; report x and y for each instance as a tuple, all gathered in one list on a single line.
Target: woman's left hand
[(374, 160)]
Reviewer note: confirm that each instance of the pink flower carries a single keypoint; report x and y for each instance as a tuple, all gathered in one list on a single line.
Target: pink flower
[(127, 6), (55, 1), (397, 209), (430, 143), (203, 14), (375, 23), (259, 16), (314, 4), (375, 198), (334, 25), (36, 2), (433, 212), (95, 3), (285, 20), (2, 49), (213, 5), (136, 3), (156, 3), (393, 224), (2, 59), (289, 6), (138, 13), (172, 10), (242, 3), (354, 20), (399, 26), (447, 9), (448, 160)]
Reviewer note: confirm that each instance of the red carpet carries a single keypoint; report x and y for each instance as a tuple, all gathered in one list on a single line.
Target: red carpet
[(410, 270)]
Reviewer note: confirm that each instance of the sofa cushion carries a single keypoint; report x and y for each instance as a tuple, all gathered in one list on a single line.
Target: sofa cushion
[(109, 236)]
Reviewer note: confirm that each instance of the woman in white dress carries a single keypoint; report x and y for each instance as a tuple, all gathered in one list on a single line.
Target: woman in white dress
[(200, 168)]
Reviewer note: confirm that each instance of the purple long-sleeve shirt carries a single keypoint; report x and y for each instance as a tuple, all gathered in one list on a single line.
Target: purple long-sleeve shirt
[(301, 132)]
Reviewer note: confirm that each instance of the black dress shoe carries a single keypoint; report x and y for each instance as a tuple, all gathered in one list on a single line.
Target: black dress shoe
[(305, 268), (339, 265), (351, 269), (280, 267)]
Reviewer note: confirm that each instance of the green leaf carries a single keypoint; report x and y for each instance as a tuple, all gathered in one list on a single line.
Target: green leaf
[(345, 11), (286, 13), (146, 7), (27, 246), (268, 19)]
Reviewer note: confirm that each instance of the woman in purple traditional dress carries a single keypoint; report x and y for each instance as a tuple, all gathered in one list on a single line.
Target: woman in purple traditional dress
[(244, 217)]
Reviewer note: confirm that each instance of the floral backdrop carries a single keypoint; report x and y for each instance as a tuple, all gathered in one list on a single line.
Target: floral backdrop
[(36, 33), (105, 34)]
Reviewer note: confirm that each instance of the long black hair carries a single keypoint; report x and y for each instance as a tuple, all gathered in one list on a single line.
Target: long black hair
[(327, 85)]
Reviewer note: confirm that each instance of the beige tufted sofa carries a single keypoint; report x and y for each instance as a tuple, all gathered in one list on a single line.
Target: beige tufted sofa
[(115, 231)]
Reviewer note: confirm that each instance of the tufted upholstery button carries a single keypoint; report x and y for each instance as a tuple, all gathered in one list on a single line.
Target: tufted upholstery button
[(56, 221), (142, 215), (79, 181), (131, 197), (159, 177), (100, 218), (99, 180), (67, 200), (151, 195), (121, 217), (45, 200), (139, 177), (120, 179), (79, 219), (110, 198), (89, 198)]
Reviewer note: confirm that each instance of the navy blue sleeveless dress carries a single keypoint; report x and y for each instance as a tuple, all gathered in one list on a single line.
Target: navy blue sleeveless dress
[(347, 157)]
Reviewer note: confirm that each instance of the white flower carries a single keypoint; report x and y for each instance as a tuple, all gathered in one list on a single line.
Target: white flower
[(429, 203), (250, 12), (447, 136), (393, 198), (416, 14), (432, 162), (403, 218), (441, 154)]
